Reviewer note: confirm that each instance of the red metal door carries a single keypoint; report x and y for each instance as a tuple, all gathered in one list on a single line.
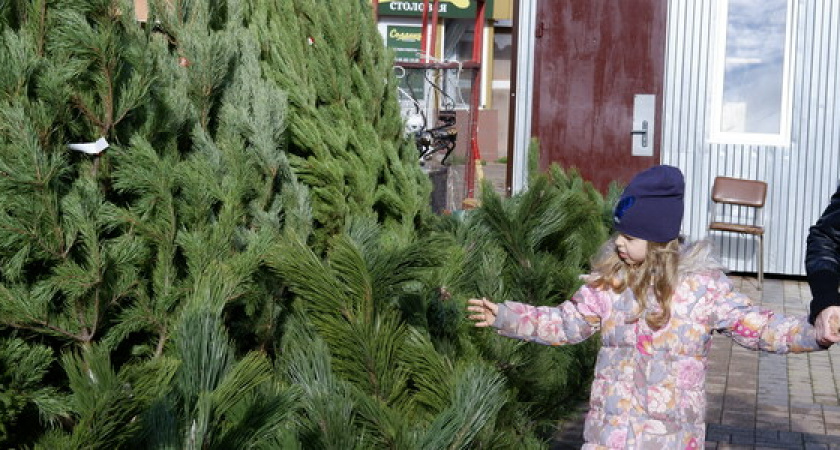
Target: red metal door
[(591, 58)]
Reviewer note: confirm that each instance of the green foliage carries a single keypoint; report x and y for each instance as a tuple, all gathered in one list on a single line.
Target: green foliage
[(108, 247), (105, 403), (328, 419), (476, 399), (345, 134), (350, 299), (23, 391), (215, 401), (546, 236), (76, 72), (251, 263), (395, 386), (533, 158), (177, 213), (532, 248)]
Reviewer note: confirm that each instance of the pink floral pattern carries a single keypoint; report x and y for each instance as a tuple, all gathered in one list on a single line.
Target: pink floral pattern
[(617, 439), (644, 344), (649, 386), (692, 444), (690, 373)]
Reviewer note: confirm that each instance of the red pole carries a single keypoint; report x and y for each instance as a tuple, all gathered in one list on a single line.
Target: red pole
[(433, 40), (475, 98), (375, 4), (424, 44)]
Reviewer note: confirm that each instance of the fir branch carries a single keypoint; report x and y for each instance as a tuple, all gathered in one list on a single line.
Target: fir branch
[(90, 115), (32, 322)]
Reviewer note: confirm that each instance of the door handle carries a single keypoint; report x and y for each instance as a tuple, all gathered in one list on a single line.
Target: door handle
[(644, 124), (643, 132)]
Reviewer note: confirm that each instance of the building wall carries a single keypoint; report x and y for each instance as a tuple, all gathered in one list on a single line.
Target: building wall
[(503, 9), (499, 84), (801, 176), (493, 116)]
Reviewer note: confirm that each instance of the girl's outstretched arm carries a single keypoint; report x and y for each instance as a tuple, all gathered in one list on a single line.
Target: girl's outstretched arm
[(759, 328), (571, 322)]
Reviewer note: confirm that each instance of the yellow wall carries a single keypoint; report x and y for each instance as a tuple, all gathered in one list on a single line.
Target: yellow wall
[(503, 9)]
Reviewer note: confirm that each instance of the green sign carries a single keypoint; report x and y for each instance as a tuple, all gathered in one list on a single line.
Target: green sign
[(405, 41), (446, 8)]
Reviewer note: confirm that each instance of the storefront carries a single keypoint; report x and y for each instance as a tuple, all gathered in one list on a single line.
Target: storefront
[(437, 77)]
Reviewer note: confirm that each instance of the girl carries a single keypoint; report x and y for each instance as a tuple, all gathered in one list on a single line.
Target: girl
[(656, 304)]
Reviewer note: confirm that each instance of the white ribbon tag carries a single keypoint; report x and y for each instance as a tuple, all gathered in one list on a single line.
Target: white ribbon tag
[(91, 148)]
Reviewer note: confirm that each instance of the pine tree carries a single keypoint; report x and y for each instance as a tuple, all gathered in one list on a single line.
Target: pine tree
[(345, 135), (71, 78), (532, 248), (382, 312), (215, 400), (108, 248), (251, 261), (104, 401), (25, 396), (385, 380)]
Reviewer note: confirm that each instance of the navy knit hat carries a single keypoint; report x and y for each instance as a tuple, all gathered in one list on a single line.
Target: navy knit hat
[(651, 206)]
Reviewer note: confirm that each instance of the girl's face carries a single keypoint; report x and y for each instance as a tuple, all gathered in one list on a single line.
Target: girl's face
[(631, 250)]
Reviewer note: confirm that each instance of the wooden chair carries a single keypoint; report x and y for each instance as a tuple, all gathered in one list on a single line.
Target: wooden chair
[(743, 200)]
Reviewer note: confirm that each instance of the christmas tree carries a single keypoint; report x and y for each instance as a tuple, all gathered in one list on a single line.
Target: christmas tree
[(215, 236), (110, 255), (346, 139)]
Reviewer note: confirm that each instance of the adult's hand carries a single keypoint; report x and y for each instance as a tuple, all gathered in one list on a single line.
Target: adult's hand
[(484, 311), (827, 325)]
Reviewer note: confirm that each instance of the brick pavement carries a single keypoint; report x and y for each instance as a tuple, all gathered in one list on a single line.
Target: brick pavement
[(758, 400)]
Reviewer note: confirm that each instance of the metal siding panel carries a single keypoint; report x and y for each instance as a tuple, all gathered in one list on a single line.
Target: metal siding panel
[(801, 176), (808, 150), (810, 130), (696, 83), (830, 178)]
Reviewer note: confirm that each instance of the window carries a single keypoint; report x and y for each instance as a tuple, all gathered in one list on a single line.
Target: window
[(751, 84), (458, 46)]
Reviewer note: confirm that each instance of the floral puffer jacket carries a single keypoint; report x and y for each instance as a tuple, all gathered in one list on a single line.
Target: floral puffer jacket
[(649, 387)]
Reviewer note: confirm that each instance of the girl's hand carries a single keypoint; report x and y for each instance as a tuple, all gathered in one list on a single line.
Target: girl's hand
[(484, 311), (828, 326)]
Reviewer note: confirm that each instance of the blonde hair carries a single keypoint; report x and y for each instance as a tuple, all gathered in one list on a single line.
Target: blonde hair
[(658, 272)]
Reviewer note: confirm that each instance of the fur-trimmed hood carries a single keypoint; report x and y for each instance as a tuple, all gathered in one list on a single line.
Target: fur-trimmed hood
[(698, 257), (695, 257)]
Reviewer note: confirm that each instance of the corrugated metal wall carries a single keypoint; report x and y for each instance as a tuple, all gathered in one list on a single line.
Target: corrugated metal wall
[(801, 176)]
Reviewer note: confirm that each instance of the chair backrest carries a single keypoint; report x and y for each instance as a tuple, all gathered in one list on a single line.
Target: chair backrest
[(744, 202), (737, 191)]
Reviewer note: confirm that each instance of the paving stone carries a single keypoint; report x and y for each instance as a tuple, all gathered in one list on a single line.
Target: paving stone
[(717, 436), (738, 419), (813, 446), (822, 439), (791, 438)]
